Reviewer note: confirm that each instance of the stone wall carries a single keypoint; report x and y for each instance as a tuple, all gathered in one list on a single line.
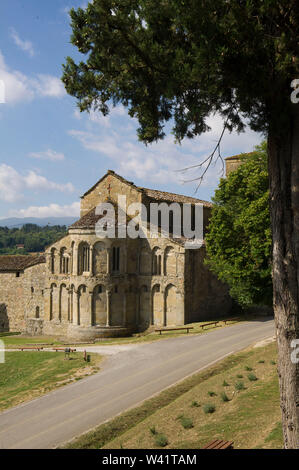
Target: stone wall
[(12, 301), (206, 296), (110, 186), (21, 297)]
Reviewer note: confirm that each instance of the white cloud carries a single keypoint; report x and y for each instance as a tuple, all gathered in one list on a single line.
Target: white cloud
[(26, 46), (16, 84), (13, 183), (52, 210), (48, 155), (160, 162), (21, 88), (47, 85)]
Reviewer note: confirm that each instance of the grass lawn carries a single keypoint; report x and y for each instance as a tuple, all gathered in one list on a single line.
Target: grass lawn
[(27, 375), (21, 340), (206, 406)]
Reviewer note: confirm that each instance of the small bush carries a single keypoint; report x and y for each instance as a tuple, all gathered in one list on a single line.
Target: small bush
[(212, 394), (248, 368), (225, 384), (224, 397), (273, 363), (252, 377), (187, 423), (161, 440), (209, 408), (153, 430), (261, 361), (240, 386), (195, 404), (239, 376)]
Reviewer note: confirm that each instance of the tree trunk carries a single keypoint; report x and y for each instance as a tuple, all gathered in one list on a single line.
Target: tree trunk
[(283, 154)]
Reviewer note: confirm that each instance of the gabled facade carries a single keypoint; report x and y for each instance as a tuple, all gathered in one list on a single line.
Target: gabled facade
[(102, 287)]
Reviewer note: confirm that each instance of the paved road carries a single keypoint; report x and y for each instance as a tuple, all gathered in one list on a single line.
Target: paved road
[(127, 378)]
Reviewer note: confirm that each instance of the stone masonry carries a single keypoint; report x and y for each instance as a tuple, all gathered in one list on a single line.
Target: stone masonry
[(87, 287)]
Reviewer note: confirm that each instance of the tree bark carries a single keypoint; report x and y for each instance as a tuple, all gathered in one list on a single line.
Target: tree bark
[(283, 156)]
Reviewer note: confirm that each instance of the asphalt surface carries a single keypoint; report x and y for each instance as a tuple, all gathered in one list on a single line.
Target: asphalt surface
[(129, 375)]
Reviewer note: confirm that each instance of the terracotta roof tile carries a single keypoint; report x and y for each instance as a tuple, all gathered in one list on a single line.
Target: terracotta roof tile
[(20, 262), (172, 197)]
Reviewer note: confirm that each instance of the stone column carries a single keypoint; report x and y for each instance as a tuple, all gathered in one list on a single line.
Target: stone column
[(91, 260), (108, 260), (90, 308), (75, 308), (108, 322), (125, 309), (75, 260)]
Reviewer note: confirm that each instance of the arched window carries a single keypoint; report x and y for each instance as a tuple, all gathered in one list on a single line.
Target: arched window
[(115, 258), (52, 262), (37, 312), (83, 262), (157, 262), (64, 261)]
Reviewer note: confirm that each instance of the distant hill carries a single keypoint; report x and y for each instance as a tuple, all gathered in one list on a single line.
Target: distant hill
[(17, 222)]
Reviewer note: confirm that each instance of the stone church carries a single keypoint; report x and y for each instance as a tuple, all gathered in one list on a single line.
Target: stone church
[(85, 287)]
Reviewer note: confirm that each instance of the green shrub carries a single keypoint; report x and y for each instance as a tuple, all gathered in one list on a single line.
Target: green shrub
[(225, 384), (209, 408), (261, 361), (239, 376), (224, 397), (248, 368), (195, 404), (212, 394), (161, 440), (153, 430), (240, 386), (252, 377), (187, 423), (273, 363)]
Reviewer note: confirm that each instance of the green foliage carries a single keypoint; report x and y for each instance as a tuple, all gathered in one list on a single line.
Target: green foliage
[(161, 440), (209, 408), (187, 423), (153, 430), (239, 237), (195, 404), (252, 377), (224, 397), (33, 237), (249, 369), (180, 61), (240, 386), (211, 394)]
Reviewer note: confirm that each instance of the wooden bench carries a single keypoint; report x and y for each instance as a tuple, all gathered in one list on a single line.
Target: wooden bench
[(208, 324), (231, 319), (63, 349), (218, 444), (31, 348), (174, 329)]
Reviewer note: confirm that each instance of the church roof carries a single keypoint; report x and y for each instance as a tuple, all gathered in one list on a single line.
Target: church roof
[(19, 262), (154, 193), (172, 197), (87, 221)]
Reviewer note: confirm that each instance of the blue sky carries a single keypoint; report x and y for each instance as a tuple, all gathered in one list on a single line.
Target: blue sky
[(50, 154)]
